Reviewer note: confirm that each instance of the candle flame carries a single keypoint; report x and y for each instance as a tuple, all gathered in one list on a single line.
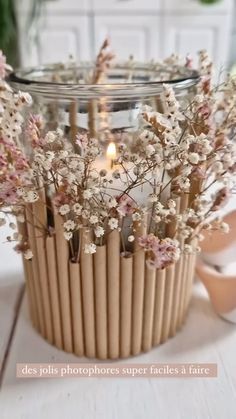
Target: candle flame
[(111, 151)]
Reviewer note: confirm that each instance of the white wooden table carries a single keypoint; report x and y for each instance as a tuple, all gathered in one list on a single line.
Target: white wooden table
[(204, 338)]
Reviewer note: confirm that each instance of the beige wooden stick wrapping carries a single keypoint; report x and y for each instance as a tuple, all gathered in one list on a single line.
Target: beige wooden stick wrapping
[(183, 202), (40, 226), (182, 290), (73, 120), (54, 290), (148, 309), (35, 268), (113, 287), (100, 283), (43, 275), (92, 116), (86, 268), (28, 273), (126, 276), (191, 269), (171, 226), (76, 307), (158, 306), (138, 291), (176, 296), (169, 287), (192, 264), (62, 251)]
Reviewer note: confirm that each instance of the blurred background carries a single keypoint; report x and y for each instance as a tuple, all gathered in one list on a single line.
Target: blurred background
[(34, 32)]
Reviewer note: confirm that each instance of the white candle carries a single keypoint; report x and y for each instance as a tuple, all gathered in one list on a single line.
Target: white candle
[(139, 194)]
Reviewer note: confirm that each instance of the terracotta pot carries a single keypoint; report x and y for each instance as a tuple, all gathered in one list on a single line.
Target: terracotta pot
[(221, 289), (218, 250)]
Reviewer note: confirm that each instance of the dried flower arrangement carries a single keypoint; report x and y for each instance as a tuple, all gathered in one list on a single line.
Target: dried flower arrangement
[(153, 193), (190, 149)]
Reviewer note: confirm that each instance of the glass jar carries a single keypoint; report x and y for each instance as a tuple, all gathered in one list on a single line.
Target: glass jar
[(111, 304), (109, 110)]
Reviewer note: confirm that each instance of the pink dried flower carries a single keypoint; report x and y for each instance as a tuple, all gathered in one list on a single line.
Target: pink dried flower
[(8, 194), (198, 172), (189, 61), (82, 140), (204, 110), (103, 61), (160, 253), (126, 206), (33, 130), (221, 199), (61, 198)]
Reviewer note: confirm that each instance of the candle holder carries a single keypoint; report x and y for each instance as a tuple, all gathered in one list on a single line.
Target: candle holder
[(109, 188)]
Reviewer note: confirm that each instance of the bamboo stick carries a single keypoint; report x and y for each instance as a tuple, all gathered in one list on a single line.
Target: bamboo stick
[(76, 306), (187, 280), (113, 282), (148, 310), (86, 271), (28, 273), (40, 226), (182, 290), (171, 226), (126, 277), (138, 290), (62, 251), (73, 120), (43, 277), (54, 291), (92, 113), (191, 269), (176, 296), (169, 287), (158, 306), (183, 202), (100, 283), (35, 269), (180, 207)]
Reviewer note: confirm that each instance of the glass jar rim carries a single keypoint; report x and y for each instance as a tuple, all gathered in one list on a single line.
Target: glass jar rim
[(24, 80)]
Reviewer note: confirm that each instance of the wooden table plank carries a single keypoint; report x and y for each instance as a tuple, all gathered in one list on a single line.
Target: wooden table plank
[(10, 301), (204, 338), (11, 283)]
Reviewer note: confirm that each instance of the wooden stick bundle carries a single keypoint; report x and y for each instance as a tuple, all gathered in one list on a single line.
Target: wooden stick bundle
[(176, 295), (28, 272), (159, 306), (126, 278), (76, 308), (148, 310), (35, 270), (63, 280), (113, 289), (169, 287), (54, 290), (109, 305), (138, 291), (40, 229), (100, 283), (182, 289), (73, 120), (87, 278)]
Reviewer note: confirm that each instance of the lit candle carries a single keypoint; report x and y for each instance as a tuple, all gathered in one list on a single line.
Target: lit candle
[(111, 154)]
